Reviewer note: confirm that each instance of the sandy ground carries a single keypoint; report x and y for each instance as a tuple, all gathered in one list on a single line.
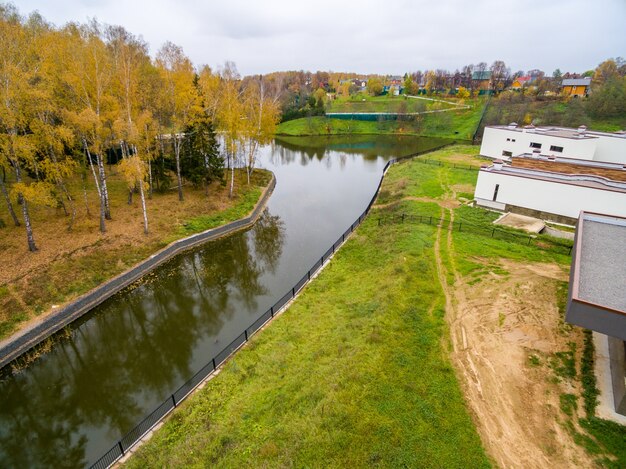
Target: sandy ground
[(495, 326), (521, 222)]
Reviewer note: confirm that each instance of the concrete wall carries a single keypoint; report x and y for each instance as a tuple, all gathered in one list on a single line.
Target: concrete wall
[(596, 319), (519, 140), (611, 149), (545, 196), (617, 354)]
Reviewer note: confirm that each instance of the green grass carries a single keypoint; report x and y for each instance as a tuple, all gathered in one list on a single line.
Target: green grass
[(354, 374), (460, 124), (246, 203), (362, 102)]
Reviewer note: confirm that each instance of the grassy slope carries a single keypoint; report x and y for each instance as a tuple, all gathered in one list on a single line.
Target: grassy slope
[(459, 124), (93, 261), (354, 374), (564, 113), (365, 103)]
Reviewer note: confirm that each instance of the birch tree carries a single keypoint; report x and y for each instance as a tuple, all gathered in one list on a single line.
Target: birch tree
[(262, 113), (19, 66), (181, 94)]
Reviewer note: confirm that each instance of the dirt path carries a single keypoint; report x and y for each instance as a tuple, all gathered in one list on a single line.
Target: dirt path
[(495, 325)]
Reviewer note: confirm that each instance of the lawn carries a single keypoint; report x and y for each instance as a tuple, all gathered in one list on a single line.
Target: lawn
[(354, 374), (362, 102), (458, 124)]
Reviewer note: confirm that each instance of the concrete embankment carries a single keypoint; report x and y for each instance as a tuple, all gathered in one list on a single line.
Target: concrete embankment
[(23, 341)]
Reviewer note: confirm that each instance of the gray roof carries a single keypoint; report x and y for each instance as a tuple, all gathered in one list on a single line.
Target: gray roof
[(577, 81), (603, 261)]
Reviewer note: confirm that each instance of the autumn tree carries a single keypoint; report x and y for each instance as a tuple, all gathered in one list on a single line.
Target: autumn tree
[(19, 75), (181, 96), (262, 113), (374, 86)]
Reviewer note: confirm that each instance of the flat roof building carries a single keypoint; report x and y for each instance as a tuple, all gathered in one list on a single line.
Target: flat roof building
[(553, 188), (506, 141), (597, 290)]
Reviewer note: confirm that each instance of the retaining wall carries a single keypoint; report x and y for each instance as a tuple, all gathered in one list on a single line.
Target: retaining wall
[(25, 340)]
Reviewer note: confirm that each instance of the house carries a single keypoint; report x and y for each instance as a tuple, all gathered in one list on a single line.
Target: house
[(481, 80), (523, 82), (577, 87), (597, 301), (505, 141)]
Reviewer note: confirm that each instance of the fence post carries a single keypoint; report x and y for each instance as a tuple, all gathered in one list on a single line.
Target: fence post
[(293, 291), (529, 238), (403, 218), (119, 443), (173, 400), (272, 311), (308, 275), (492, 232), (245, 333), (430, 221), (460, 224), (214, 367)]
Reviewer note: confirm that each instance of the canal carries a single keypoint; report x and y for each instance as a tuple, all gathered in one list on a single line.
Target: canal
[(130, 353)]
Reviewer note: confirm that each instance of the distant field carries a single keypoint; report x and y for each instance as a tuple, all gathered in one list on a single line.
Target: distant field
[(401, 104), (460, 124)]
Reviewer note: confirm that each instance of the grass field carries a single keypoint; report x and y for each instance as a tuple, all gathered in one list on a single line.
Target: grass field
[(459, 124), (69, 264), (356, 373), (362, 102)]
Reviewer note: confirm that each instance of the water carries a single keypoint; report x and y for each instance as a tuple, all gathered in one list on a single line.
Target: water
[(134, 350)]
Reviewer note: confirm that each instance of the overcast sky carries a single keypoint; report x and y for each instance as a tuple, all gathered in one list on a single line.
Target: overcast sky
[(363, 36)]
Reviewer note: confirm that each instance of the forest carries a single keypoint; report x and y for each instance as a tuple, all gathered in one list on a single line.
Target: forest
[(81, 99)]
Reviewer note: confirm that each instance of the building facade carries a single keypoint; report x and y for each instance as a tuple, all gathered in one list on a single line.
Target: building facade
[(552, 188), (505, 141)]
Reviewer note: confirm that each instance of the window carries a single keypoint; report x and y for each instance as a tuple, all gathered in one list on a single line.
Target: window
[(507, 153), (535, 145), (555, 148), (512, 140), (495, 192), (508, 139)]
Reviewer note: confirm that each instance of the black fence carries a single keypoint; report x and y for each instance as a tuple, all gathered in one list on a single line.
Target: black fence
[(562, 246), (170, 403)]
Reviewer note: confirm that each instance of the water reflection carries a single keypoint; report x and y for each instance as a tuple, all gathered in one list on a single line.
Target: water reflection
[(134, 350)]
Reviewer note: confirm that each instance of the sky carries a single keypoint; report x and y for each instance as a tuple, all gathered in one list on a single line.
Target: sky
[(363, 36)]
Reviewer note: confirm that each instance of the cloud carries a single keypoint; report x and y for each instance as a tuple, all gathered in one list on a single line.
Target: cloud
[(366, 36)]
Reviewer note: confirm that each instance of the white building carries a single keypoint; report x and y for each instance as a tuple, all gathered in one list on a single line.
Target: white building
[(502, 141), (553, 188)]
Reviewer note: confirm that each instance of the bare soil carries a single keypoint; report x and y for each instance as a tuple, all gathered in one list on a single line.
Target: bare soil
[(496, 326)]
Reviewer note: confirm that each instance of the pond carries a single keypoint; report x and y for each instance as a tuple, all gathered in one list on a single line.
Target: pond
[(130, 353)]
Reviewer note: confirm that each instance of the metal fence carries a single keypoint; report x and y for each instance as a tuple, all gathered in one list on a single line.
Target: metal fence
[(559, 245), (126, 442)]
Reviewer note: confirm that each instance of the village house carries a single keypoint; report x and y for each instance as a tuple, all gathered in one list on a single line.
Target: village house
[(522, 82), (481, 80), (576, 87)]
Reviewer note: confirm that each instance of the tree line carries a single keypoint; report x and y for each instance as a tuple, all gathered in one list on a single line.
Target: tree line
[(75, 98)]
